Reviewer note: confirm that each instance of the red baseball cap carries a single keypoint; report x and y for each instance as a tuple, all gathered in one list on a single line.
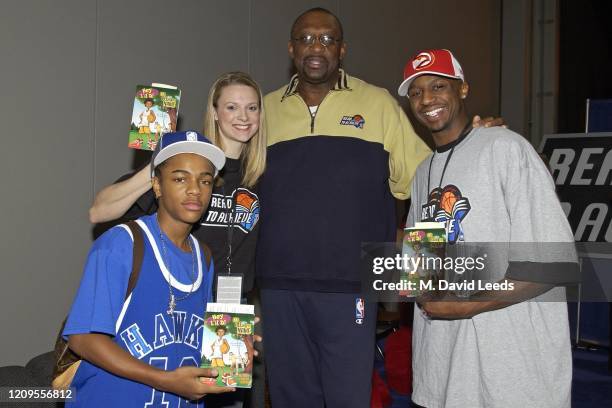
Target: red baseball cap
[(430, 62)]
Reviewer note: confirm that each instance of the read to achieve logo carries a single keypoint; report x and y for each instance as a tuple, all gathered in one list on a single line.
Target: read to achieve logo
[(449, 206), (356, 120), (240, 209), (423, 60)]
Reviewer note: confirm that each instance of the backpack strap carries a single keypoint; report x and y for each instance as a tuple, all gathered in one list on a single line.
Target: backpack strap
[(137, 256), (66, 358)]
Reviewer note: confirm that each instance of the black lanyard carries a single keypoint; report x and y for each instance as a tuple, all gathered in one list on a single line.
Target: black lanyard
[(466, 130), (230, 214)]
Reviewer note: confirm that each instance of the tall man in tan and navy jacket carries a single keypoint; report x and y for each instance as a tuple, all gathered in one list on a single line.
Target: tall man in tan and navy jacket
[(339, 150)]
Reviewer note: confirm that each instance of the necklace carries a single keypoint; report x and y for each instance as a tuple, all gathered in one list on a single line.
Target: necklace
[(466, 130), (173, 299)]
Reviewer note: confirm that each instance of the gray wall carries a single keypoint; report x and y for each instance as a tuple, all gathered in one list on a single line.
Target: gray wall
[(68, 72), (529, 67)]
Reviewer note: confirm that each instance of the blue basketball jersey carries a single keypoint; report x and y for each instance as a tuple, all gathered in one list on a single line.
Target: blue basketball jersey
[(148, 332)]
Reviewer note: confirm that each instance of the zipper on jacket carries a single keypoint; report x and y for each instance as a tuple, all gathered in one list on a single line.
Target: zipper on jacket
[(312, 117)]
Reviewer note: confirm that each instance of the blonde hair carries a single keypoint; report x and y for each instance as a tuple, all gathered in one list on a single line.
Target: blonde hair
[(254, 152)]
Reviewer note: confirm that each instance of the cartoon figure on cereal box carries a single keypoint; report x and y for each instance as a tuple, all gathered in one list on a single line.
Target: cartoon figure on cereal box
[(220, 348)]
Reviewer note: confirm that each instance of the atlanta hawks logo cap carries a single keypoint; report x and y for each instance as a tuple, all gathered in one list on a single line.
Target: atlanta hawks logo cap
[(430, 62)]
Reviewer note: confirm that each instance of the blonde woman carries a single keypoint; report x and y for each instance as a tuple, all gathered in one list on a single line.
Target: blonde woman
[(234, 122)]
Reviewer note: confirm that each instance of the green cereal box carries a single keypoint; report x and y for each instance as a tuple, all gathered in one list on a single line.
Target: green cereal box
[(154, 113), (227, 344), (424, 245)]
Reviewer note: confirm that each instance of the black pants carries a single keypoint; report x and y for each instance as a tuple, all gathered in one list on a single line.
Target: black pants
[(317, 354)]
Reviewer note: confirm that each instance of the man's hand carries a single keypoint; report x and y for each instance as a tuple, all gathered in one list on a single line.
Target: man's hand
[(444, 305), (488, 122), (187, 382)]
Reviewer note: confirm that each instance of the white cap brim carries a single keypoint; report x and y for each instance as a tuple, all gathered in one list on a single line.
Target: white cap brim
[(403, 88), (206, 150)]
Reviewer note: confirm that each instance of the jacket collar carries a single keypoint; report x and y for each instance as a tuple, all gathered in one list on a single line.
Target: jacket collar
[(341, 84)]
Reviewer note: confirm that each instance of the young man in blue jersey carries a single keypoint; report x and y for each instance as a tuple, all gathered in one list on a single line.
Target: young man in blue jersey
[(145, 350)]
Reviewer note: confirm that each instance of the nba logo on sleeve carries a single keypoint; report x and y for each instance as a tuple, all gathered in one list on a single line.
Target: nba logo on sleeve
[(359, 310)]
